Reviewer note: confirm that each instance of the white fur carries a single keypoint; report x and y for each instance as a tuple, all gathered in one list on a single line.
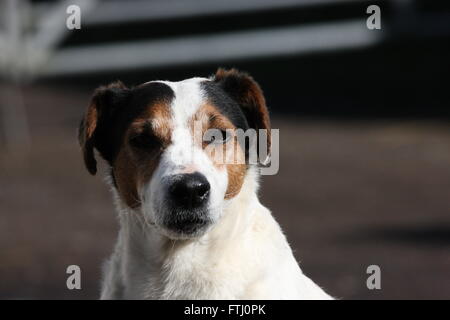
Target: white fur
[(244, 254)]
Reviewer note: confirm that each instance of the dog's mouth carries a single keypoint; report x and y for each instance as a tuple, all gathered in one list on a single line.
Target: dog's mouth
[(186, 224)]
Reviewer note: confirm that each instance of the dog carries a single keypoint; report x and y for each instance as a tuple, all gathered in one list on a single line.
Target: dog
[(191, 227)]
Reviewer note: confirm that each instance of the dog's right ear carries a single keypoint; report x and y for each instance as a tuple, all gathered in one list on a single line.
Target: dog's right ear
[(242, 88), (103, 105)]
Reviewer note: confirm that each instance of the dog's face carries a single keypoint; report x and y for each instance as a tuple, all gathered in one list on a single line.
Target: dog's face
[(162, 141)]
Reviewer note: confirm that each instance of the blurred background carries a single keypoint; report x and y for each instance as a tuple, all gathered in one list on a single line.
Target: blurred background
[(363, 116)]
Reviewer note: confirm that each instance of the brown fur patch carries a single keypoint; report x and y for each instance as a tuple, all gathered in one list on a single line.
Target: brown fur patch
[(159, 118), (231, 156), (236, 175), (126, 175), (134, 166)]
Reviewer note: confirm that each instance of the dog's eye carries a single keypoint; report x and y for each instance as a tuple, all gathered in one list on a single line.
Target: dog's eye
[(145, 140), (216, 136)]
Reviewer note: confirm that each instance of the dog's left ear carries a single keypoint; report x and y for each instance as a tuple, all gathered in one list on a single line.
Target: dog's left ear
[(93, 131), (241, 87)]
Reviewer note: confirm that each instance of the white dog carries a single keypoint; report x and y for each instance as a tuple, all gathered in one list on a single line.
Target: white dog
[(191, 227)]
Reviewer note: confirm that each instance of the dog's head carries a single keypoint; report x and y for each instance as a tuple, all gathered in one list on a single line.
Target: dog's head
[(160, 165)]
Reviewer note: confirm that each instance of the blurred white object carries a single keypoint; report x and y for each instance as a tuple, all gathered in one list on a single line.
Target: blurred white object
[(22, 54)]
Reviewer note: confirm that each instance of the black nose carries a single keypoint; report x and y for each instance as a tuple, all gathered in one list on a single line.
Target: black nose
[(190, 190)]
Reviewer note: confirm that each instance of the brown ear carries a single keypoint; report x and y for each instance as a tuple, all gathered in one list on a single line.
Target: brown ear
[(247, 93), (102, 105)]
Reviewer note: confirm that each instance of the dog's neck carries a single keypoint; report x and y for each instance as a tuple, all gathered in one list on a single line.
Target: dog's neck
[(147, 252)]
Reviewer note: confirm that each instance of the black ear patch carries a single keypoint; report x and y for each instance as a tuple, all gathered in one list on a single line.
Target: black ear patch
[(226, 105), (246, 93)]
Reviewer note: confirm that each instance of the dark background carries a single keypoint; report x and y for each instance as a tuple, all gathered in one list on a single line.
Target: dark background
[(364, 153)]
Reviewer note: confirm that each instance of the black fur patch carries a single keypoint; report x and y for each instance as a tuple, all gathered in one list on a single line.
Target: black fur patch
[(226, 105), (122, 106)]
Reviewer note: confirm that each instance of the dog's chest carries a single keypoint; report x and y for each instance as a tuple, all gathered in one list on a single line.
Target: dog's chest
[(190, 275)]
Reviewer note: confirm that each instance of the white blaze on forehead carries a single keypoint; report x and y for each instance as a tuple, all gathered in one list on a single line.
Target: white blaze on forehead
[(189, 97)]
